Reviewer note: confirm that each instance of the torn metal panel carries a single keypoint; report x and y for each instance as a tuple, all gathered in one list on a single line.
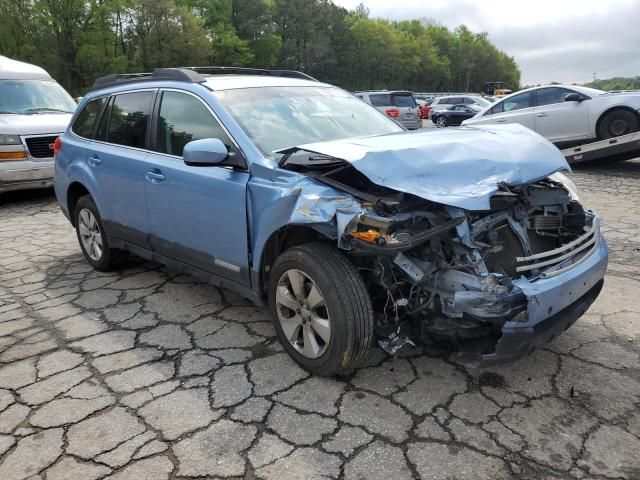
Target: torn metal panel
[(456, 167), (288, 198)]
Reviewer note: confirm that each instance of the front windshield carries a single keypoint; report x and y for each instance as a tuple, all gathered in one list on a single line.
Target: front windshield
[(31, 97), (279, 117)]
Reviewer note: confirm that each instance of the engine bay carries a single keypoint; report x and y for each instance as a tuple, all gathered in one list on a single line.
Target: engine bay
[(440, 273)]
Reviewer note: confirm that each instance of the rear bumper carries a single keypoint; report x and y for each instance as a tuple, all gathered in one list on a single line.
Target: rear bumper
[(554, 304), (26, 175), (412, 124)]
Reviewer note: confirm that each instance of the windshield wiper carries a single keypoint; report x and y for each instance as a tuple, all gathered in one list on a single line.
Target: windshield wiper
[(3, 112), (46, 109)]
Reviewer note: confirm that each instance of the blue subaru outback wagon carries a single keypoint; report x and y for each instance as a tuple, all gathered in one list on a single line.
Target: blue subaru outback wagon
[(351, 229)]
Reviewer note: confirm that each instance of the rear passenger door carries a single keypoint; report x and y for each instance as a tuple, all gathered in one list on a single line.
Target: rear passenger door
[(116, 159), (197, 213), (514, 109)]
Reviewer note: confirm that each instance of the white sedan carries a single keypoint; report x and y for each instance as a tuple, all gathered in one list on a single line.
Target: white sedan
[(566, 113)]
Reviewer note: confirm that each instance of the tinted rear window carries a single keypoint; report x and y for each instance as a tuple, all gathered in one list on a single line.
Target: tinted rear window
[(404, 101), (83, 126), (129, 118), (380, 99)]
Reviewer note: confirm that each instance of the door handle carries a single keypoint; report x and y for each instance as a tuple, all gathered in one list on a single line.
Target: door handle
[(155, 176), (500, 120), (94, 161), (542, 115)]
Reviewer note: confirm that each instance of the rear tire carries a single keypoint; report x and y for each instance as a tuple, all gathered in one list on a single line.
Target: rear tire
[(616, 123), (319, 271), (93, 239), (441, 122)]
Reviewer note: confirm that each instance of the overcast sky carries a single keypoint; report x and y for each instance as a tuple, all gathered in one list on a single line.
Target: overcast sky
[(552, 40)]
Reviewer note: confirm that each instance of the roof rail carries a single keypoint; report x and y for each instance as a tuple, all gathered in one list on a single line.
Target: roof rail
[(166, 74), (250, 71)]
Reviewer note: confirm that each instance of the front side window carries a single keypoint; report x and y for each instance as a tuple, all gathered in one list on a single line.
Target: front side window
[(549, 96), (83, 126), (31, 97), (184, 118), (129, 118), (276, 118)]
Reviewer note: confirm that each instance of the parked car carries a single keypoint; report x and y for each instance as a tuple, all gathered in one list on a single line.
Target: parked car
[(424, 109), (34, 111), (566, 113), (443, 103), (399, 105), (454, 115), (296, 194)]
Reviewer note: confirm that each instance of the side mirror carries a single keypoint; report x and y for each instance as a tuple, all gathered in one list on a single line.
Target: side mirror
[(205, 152), (574, 97)]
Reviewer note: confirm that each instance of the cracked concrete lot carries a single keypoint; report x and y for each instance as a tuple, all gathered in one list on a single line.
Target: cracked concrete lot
[(148, 375)]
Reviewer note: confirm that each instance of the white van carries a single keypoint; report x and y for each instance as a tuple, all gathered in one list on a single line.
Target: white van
[(34, 111)]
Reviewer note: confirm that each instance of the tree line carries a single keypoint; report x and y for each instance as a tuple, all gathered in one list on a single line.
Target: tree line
[(80, 40), (616, 83)]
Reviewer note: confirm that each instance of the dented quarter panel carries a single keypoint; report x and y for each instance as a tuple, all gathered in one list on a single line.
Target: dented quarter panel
[(457, 167)]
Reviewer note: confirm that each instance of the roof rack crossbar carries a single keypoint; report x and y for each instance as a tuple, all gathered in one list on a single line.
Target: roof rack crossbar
[(191, 75), (213, 70), (171, 74)]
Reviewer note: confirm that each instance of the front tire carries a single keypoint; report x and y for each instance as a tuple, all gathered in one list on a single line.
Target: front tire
[(93, 239), (441, 122), (320, 308), (616, 123)]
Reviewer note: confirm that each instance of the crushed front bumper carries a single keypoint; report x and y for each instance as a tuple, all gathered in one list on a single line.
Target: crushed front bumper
[(554, 304)]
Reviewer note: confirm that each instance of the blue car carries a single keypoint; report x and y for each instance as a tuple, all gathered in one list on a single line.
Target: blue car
[(300, 196)]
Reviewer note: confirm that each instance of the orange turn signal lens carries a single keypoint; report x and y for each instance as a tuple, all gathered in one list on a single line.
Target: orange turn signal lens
[(13, 155), (369, 236)]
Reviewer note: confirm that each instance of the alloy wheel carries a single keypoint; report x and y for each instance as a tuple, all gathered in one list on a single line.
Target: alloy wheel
[(90, 234), (302, 313)]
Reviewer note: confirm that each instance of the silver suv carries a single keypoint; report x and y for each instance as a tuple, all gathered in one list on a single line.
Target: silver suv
[(34, 111), (399, 105), (443, 103)]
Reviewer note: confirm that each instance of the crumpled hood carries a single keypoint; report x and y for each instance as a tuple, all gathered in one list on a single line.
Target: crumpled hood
[(459, 167)]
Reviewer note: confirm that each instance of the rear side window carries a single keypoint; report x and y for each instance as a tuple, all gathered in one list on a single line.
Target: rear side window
[(380, 99), (128, 119), (517, 102), (404, 101), (84, 124), (184, 118)]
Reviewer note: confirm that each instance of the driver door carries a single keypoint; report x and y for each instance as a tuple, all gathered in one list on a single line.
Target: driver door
[(197, 213)]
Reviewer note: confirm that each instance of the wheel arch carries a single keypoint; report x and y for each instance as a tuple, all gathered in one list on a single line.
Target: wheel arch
[(284, 238), (613, 109), (75, 191)]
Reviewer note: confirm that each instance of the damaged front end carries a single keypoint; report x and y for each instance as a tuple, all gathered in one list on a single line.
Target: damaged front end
[(494, 283)]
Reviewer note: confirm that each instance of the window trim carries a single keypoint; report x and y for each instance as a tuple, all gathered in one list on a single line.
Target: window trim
[(111, 96), (97, 120), (156, 117)]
